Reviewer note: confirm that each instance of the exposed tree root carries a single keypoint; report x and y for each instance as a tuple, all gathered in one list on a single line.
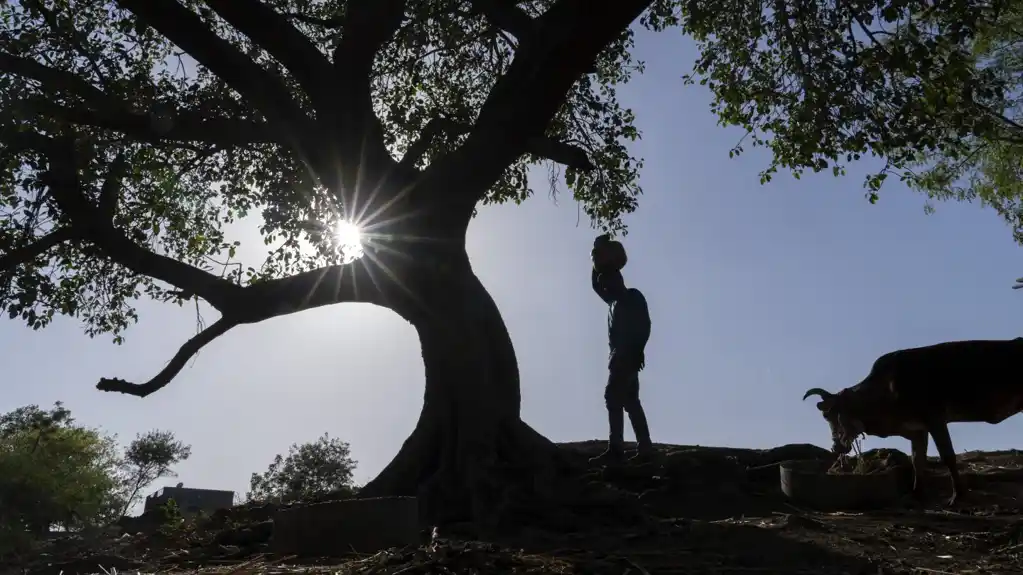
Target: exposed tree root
[(470, 457), (483, 486)]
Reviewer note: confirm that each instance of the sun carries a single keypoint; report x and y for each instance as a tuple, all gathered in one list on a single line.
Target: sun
[(348, 233), (349, 239)]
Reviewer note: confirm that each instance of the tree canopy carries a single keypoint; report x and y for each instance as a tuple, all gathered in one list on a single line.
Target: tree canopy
[(149, 457), (823, 83), (188, 115), (315, 468), (987, 166), (53, 472), (137, 131)]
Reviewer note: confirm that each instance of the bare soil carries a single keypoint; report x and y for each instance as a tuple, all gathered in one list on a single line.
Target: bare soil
[(694, 510)]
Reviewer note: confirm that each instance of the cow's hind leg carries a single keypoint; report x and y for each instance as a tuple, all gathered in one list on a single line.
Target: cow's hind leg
[(918, 445), (943, 441)]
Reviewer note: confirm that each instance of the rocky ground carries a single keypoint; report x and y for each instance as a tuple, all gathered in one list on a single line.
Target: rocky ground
[(697, 510)]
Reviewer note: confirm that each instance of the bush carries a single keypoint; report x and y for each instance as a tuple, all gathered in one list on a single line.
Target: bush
[(311, 469)]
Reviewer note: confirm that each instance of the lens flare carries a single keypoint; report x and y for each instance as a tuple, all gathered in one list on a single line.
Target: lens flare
[(349, 240)]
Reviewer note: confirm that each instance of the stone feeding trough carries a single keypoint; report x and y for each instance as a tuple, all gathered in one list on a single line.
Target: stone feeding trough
[(810, 483)]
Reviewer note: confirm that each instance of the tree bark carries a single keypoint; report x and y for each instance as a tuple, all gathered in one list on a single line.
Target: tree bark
[(470, 455)]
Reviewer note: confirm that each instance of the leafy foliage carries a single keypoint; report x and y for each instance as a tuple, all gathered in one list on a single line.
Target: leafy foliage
[(179, 199), (991, 170), (147, 458), (53, 472), (821, 83), (169, 204), (316, 468)]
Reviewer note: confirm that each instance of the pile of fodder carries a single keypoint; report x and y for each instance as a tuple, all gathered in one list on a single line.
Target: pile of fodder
[(869, 462)]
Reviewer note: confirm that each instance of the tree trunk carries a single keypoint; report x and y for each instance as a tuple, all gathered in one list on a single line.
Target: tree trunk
[(470, 455)]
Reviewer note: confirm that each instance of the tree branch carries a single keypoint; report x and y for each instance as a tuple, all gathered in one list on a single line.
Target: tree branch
[(543, 146), (368, 25), (433, 129), (58, 80), (110, 193), (271, 31), (370, 279), (507, 16), (111, 113), (265, 90), (560, 152), (355, 282), (569, 38), (184, 126), (386, 280), (73, 36), (25, 254), (333, 23), (87, 221), (174, 367)]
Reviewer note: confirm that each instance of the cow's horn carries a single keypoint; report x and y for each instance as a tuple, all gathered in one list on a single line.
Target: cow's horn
[(823, 393)]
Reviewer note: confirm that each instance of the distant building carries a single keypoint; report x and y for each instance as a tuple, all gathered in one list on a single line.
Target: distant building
[(191, 500)]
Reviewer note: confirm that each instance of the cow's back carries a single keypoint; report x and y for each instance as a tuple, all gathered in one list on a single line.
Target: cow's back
[(974, 380)]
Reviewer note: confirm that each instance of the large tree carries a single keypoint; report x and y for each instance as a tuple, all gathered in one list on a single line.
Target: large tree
[(127, 158), (133, 131)]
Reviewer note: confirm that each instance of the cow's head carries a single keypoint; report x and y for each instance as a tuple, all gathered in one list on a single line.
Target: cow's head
[(839, 411)]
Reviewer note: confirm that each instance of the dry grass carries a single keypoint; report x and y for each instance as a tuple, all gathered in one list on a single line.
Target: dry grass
[(871, 462), (461, 558)]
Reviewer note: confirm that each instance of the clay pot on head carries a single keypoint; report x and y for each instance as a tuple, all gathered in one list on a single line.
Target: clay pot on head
[(608, 255)]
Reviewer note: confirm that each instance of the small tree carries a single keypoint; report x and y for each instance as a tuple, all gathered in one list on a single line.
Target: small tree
[(316, 468), (54, 472), (148, 458)]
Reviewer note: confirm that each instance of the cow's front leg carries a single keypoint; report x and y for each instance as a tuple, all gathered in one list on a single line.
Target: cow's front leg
[(943, 441), (918, 445)]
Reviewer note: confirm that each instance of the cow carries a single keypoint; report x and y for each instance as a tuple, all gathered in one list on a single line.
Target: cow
[(915, 392)]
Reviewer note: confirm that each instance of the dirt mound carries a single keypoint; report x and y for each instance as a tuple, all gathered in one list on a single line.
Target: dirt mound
[(691, 510)]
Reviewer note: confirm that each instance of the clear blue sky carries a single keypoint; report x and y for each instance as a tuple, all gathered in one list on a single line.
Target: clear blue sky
[(757, 293)]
